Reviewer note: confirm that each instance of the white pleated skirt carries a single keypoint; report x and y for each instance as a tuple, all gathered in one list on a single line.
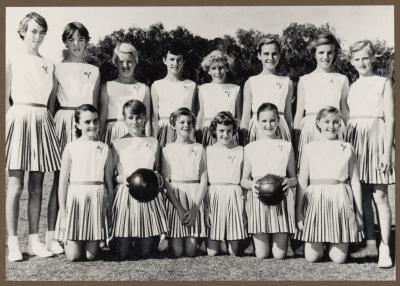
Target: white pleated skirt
[(227, 211), (65, 127), (264, 218), (329, 215), (131, 218), (282, 131), (367, 136), (86, 214), (31, 141), (115, 130), (185, 192)]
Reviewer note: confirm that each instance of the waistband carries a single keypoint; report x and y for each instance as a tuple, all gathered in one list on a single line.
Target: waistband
[(67, 107), (222, 184), (185, 181), (86, 183), (31, 104), (327, 182), (367, 116)]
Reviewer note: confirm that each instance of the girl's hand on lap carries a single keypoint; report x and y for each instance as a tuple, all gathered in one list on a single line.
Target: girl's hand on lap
[(385, 163), (191, 216), (289, 183)]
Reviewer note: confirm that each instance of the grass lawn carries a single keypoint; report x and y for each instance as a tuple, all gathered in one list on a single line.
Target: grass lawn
[(162, 267)]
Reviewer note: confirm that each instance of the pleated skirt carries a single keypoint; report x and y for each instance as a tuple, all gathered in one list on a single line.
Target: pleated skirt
[(367, 136), (185, 192), (31, 140), (114, 130), (282, 131), (329, 215), (65, 127), (204, 137), (227, 210), (131, 218), (264, 218), (86, 214), (310, 133), (165, 134)]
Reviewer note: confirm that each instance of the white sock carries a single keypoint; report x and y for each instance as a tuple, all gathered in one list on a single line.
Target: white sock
[(12, 240), (50, 234), (33, 238), (371, 242)]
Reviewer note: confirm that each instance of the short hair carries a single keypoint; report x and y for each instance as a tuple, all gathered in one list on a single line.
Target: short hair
[(23, 24), (358, 46), (175, 48), (214, 57), (268, 106), (135, 107), (268, 40), (324, 38), (225, 118), (77, 115), (328, 111), (125, 48), (71, 28), (182, 111)]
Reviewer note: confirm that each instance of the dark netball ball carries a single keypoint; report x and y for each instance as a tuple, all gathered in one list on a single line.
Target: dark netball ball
[(270, 189), (143, 185)]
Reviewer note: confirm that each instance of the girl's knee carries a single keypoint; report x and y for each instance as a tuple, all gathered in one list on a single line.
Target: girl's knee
[(190, 251), (212, 252), (261, 253), (177, 247), (90, 256), (312, 257), (313, 251), (279, 253), (73, 256), (338, 258)]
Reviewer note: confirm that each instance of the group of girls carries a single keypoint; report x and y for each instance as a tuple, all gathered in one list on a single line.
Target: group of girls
[(343, 143)]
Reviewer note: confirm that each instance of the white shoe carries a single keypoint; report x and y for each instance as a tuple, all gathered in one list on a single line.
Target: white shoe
[(54, 247), (385, 261), (39, 249), (14, 254)]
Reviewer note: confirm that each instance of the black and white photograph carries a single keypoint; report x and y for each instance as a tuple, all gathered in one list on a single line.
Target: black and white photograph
[(200, 143)]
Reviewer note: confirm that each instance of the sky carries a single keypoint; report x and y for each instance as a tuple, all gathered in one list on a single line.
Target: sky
[(351, 23)]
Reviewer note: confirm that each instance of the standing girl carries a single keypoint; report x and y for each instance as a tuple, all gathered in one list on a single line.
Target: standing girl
[(272, 155), (170, 93), (77, 84), (31, 142), (85, 189), (226, 198), (132, 220), (328, 207), (184, 166), (216, 96), (370, 131), (115, 93), (320, 88), (268, 86)]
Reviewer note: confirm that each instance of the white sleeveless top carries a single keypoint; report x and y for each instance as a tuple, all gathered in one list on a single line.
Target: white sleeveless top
[(88, 159), (328, 159), (224, 165), (120, 93), (323, 89), (184, 160), (135, 153), (366, 96), (218, 97), (32, 78), (76, 83), (268, 156), (173, 95), (269, 88)]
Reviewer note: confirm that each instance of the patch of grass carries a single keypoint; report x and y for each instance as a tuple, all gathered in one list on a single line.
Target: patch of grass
[(162, 267)]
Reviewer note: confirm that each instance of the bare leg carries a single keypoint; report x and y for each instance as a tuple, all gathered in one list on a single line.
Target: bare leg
[(14, 191), (91, 248), (124, 246), (146, 246), (35, 186), (338, 252), (73, 250), (313, 251), (190, 246), (52, 208), (279, 245), (213, 247), (261, 245), (178, 245), (384, 211), (234, 247)]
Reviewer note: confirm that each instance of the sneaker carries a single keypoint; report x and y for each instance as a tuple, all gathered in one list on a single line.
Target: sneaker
[(39, 249), (14, 254), (365, 252), (385, 261), (54, 247)]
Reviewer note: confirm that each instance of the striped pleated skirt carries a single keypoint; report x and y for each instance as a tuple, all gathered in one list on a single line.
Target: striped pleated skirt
[(367, 136), (131, 218), (185, 192), (329, 215), (114, 130), (226, 212), (31, 141), (65, 127), (310, 133), (282, 131), (86, 214), (264, 218)]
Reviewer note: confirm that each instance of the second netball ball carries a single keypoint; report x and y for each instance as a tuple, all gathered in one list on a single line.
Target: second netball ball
[(144, 185), (270, 189)]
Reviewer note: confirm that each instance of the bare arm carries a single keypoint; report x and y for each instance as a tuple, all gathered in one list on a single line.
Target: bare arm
[(291, 180), (238, 105), (246, 114), (247, 182), (344, 108), (154, 101), (200, 115), (103, 110), (304, 175), (146, 102), (63, 180), (8, 84), (388, 109), (108, 179), (51, 103), (356, 187), (96, 91), (288, 107), (299, 106)]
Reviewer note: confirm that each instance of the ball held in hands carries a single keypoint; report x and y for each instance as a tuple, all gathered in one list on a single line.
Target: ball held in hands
[(270, 189), (143, 185)]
